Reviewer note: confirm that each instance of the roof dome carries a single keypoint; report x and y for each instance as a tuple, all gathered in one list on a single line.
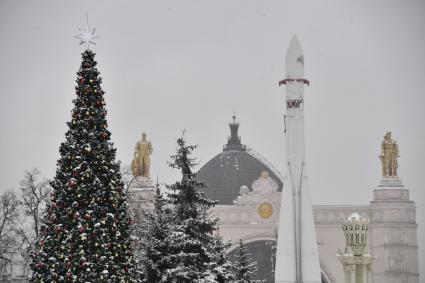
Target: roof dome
[(236, 166)]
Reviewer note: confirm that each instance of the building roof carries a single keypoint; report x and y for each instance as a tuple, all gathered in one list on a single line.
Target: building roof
[(236, 166)]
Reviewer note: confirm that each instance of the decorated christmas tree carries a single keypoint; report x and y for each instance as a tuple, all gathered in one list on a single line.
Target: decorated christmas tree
[(245, 266), (197, 253), (85, 236)]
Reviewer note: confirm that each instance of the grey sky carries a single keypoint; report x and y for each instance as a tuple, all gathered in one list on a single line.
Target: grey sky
[(170, 65)]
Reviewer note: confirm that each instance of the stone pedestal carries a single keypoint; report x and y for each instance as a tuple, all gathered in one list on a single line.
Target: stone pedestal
[(141, 183), (390, 182), (394, 233), (357, 269), (141, 195)]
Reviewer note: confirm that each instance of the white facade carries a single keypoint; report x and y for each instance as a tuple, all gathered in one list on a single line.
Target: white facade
[(392, 237)]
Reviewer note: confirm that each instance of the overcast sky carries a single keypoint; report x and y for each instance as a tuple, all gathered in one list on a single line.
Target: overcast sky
[(174, 65)]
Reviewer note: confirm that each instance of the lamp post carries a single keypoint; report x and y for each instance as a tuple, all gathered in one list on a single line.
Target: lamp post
[(355, 259)]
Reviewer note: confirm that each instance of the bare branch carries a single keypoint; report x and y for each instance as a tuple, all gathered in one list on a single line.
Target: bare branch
[(9, 218), (35, 192), (127, 177)]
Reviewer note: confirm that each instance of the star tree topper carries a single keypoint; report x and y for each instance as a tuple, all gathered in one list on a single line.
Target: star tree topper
[(87, 35)]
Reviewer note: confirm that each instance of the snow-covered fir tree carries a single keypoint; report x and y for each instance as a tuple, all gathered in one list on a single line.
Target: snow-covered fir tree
[(246, 268), (197, 253), (221, 269), (153, 239), (86, 232)]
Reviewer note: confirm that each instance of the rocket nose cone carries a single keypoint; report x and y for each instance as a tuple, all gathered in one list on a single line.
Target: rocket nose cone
[(294, 60)]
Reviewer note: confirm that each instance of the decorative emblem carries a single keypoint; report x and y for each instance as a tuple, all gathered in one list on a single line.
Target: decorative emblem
[(264, 184), (265, 210)]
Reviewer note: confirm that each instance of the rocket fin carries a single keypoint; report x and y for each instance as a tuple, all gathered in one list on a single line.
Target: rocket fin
[(285, 254), (309, 251)]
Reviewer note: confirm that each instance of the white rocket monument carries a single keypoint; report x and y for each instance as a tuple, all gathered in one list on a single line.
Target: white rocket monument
[(297, 256)]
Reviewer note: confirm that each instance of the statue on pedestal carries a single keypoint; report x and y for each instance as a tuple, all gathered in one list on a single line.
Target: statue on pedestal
[(141, 162), (141, 192), (389, 155)]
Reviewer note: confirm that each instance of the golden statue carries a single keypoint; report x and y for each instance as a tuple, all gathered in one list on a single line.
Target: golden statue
[(389, 155), (141, 162)]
